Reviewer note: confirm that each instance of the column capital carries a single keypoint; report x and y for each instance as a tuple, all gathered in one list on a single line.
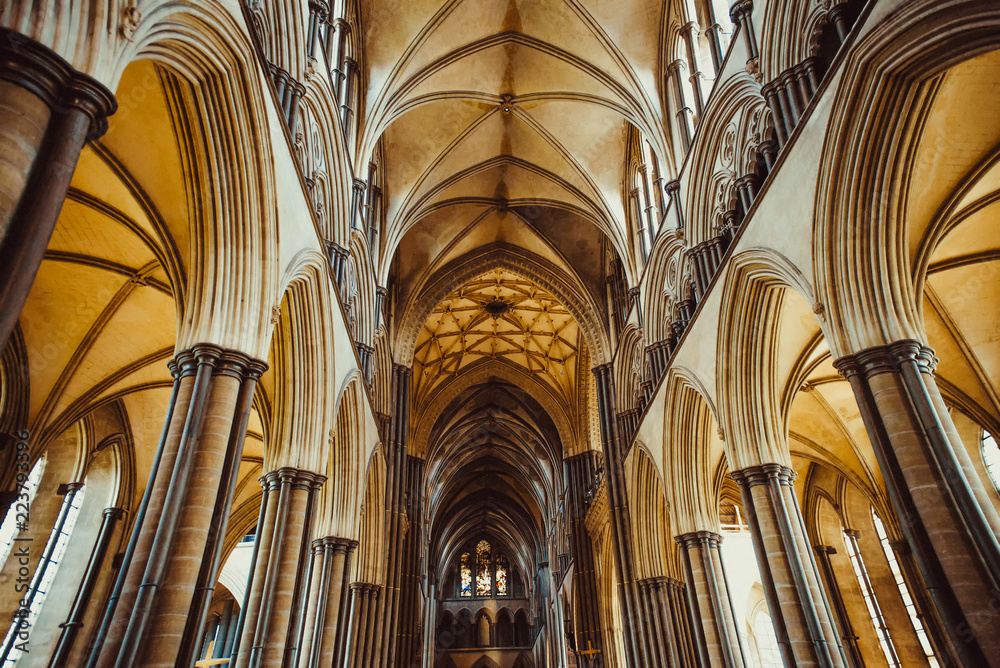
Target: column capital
[(294, 476), (887, 359), (113, 513), (672, 187), (747, 181), (740, 9), (341, 24), (763, 474), (824, 549), (319, 7), (674, 68), (39, 69), (225, 362), (699, 539), (338, 545)]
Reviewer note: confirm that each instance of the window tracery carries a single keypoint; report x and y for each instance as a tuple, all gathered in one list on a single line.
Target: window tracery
[(501, 575), (484, 578), (484, 572), (466, 583)]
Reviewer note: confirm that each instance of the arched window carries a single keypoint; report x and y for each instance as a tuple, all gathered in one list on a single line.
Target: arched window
[(768, 654), (501, 575), (484, 576), (25, 490), (904, 591), (483, 572), (45, 573), (466, 583), (874, 610), (991, 457)]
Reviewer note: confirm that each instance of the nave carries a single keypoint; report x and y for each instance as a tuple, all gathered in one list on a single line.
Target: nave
[(499, 333)]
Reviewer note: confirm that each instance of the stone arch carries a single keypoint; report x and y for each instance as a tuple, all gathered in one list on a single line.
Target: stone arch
[(381, 375), (362, 306), (651, 532), (737, 121), (754, 293), (485, 662), (302, 405), (369, 564), (329, 166), (629, 370), (505, 628), (866, 274), (692, 447), (663, 286), (346, 476), (233, 225)]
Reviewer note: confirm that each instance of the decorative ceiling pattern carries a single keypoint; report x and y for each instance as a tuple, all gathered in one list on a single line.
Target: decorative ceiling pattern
[(498, 316)]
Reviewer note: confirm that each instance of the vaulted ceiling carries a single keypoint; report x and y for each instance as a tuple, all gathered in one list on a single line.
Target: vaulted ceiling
[(506, 120), (501, 128)]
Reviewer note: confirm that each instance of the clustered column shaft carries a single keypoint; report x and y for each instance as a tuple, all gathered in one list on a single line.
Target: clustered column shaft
[(944, 512), (580, 473), (802, 619), (717, 632), (274, 615), (632, 627), (48, 111), (184, 519)]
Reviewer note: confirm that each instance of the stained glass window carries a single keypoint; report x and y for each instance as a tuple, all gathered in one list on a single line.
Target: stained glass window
[(484, 578), (501, 575), (466, 587)]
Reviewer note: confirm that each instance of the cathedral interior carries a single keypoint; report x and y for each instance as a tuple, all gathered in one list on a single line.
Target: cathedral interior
[(500, 333)]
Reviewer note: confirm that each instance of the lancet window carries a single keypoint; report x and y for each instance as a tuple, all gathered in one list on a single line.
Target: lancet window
[(484, 573)]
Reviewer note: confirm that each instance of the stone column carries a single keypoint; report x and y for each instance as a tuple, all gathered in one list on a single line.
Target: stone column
[(387, 607), (690, 35), (410, 608), (803, 622), (659, 656), (580, 472), (249, 612), (364, 608), (683, 111), (347, 100), (179, 536), (943, 510), (324, 617), (672, 595), (318, 588), (225, 625), (708, 598), (74, 620), (632, 627), (336, 52), (741, 14), (48, 111), (673, 190), (271, 633)]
